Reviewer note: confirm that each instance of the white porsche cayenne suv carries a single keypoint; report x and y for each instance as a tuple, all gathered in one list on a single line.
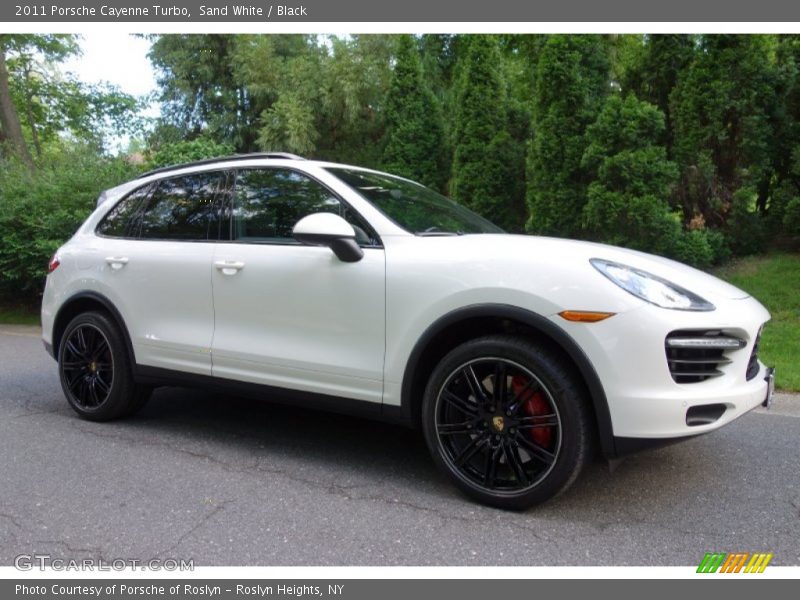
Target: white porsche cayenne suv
[(333, 286)]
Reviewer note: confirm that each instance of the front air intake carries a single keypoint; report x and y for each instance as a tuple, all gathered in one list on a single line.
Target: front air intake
[(704, 415), (752, 365), (695, 356)]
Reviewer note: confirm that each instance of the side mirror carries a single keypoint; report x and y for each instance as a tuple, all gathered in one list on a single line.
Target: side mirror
[(327, 229)]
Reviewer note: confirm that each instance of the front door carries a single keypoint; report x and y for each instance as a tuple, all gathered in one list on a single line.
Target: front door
[(290, 315)]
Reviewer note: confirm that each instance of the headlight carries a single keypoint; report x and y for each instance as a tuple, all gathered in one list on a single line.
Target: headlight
[(651, 288)]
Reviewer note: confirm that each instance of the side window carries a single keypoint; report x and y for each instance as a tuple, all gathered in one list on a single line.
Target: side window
[(269, 202), (184, 208), (122, 221)]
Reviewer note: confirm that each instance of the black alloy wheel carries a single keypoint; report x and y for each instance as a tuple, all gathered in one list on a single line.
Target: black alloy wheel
[(506, 420), (497, 425), (88, 366), (95, 369)]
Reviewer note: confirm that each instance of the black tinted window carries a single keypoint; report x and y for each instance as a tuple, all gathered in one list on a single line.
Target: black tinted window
[(269, 202), (122, 220), (184, 208)]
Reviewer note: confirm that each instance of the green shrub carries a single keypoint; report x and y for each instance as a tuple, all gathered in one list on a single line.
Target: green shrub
[(791, 218), (779, 200), (639, 222), (43, 208), (187, 151), (693, 248), (746, 230), (718, 243)]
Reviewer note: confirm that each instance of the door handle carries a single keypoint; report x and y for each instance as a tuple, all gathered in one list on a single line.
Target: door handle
[(117, 262), (229, 267)]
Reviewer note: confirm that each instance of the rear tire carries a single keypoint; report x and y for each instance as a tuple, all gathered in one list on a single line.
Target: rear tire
[(507, 421), (95, 369)]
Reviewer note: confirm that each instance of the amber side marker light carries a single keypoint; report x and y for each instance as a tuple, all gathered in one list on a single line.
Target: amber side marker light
[(584, 316)]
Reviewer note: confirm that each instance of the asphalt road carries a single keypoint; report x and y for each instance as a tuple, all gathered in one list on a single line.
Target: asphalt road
[(226, 481)]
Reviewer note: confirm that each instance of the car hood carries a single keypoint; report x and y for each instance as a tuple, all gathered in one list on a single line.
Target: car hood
[(544, 249)]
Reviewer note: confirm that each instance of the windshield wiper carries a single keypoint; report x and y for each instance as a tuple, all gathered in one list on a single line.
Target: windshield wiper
[(434, 232)]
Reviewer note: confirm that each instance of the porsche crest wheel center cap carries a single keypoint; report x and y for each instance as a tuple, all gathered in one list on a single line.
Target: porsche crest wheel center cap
[(498, 423)]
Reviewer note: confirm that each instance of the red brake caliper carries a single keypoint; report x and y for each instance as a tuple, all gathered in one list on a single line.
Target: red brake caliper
[(533, 404)]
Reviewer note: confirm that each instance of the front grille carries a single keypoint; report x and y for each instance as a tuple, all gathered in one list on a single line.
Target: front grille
[(695, 356), (752, 365)]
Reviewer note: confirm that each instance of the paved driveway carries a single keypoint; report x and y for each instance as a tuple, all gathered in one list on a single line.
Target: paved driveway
[(226, 481)]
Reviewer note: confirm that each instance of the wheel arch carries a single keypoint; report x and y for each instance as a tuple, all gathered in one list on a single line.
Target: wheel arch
[(482, 319), (84, 302)]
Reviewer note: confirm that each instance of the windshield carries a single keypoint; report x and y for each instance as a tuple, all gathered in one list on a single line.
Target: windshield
[(413, 206)]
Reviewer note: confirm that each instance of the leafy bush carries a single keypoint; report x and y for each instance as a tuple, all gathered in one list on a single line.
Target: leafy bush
[(638, 222), (693, 248), (43, 208), (187, 151), (779, 199), (746, 230), (791, 218), (720, 248)]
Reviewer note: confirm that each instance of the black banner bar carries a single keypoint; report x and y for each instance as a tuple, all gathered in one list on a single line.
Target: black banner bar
[(396, 589), (260, 11)]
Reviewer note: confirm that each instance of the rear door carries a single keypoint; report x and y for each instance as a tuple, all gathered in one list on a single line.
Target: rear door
[(156, 267)]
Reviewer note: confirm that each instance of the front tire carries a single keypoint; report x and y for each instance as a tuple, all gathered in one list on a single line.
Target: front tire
[(95, 370), (507, 421)]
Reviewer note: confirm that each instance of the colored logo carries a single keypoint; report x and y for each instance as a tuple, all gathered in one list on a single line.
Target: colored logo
[(734, 562)]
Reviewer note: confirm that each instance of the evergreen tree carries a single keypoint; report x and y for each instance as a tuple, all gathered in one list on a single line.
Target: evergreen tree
[(723, 131), (628, 199), (415, 145), (438, 58), (487, 162), (782, 185), (571, 82), (656, 70)]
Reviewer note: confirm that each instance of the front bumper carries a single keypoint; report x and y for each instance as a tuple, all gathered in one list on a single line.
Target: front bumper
[(665, 415), (644, 401)]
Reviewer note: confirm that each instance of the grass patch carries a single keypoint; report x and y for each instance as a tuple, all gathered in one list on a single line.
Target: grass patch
[(774, 280), (18, 314)]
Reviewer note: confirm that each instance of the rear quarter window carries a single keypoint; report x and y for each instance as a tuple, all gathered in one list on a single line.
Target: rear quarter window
[(122, 221)]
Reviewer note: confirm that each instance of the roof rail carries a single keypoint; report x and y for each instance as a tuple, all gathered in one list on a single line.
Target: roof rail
[(209, 161)]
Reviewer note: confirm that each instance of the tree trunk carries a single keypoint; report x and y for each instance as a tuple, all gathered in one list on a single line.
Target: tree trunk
[(37, 146), (9, 119)]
